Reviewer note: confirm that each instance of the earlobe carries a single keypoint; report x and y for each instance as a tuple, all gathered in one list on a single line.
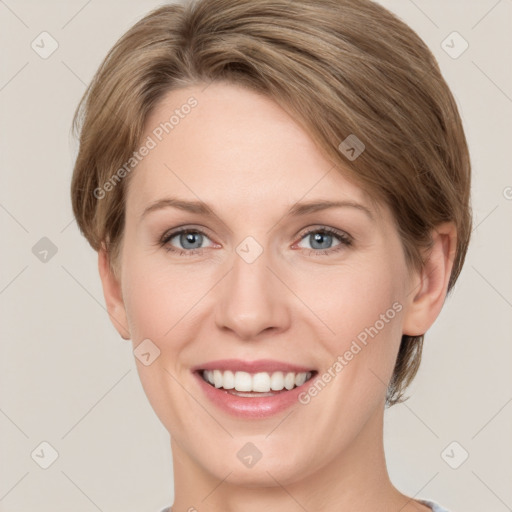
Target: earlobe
[(427, 297), (112, 293)]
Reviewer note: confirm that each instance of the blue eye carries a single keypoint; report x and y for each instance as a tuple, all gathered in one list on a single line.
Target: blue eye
[(190, 241), (321, 240)]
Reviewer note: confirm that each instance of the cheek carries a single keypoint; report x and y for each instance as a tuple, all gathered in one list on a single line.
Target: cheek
[(159, 298), (361, 306), (160, 302), (350, 298)]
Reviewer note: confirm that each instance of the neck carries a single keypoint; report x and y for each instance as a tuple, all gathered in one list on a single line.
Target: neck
[(355, 479)]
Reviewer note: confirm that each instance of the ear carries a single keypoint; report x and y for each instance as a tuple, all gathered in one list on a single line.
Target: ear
[(112, 294), (431, 282)]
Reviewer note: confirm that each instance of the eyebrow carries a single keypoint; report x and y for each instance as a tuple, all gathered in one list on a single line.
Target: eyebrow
[(297, 210)]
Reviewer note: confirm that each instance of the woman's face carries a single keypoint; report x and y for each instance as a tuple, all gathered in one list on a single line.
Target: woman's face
[(258, 280)]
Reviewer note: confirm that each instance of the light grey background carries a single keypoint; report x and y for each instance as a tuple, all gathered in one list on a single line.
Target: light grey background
[(68, 379)]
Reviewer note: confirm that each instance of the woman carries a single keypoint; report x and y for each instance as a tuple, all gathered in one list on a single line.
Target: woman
[(278, 192)]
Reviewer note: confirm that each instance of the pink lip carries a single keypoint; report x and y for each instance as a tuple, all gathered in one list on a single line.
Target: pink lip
[(260, 365), (249, 407)]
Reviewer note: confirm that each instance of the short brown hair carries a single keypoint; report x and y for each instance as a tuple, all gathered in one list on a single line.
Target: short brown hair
[(339, 67)]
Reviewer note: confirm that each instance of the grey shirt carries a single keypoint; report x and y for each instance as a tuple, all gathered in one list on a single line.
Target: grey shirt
[(433, 505)]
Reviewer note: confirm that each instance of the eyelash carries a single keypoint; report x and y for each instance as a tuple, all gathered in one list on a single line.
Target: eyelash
[(344, 239)]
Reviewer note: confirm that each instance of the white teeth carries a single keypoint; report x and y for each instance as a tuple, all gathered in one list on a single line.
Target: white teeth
[(228, 380), (208, 376), (289, 380), (243, 381), (217, 378), (261, 382), (277, 381), (300, 378)]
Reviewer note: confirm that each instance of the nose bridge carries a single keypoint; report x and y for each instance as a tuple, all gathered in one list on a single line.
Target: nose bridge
[(252, 299)]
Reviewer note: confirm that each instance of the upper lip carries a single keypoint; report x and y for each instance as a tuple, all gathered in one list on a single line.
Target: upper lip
[(260, 365)]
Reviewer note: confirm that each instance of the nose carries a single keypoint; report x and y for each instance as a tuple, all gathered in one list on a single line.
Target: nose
[(252, 300)]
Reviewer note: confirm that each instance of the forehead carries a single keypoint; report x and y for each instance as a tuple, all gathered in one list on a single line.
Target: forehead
[(223, 142)]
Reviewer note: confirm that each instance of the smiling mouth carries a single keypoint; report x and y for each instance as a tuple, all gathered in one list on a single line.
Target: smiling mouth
[(258, 384)]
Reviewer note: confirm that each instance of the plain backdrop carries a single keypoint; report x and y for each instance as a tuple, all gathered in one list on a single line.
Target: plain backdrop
[(69, 381)]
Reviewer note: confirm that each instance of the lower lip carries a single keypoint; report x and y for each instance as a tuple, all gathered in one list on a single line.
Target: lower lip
[(251, 407)]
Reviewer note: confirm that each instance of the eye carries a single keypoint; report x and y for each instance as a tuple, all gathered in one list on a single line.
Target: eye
[(188, 241), (321, 240)]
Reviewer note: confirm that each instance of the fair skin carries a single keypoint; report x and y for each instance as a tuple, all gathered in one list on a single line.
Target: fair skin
[(243, 155)]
